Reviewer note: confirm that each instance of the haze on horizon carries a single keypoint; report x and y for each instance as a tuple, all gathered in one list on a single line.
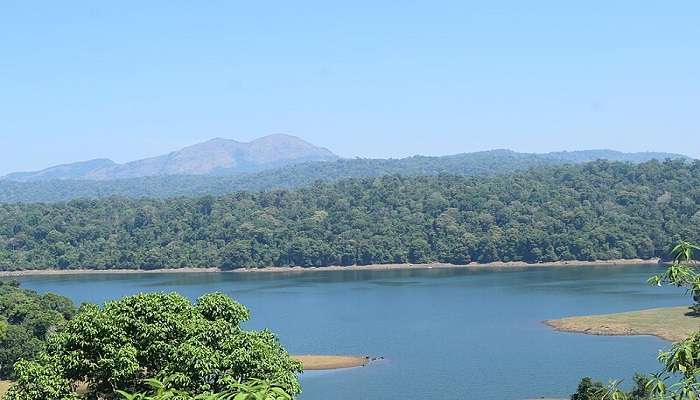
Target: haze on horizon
[(367, 79)]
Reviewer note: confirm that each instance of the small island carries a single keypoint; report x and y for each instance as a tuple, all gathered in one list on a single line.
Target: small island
[(322, 362), (670, 323)]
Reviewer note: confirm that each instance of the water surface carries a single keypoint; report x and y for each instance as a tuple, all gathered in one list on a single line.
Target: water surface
[(445, 334)]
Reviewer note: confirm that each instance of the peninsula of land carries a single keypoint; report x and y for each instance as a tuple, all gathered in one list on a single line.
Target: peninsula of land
[(670, 323)]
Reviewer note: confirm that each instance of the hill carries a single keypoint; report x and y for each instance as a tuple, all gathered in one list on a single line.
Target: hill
[(216, 156), (76, 170), (594, 211), (582, 156), (485, 163)]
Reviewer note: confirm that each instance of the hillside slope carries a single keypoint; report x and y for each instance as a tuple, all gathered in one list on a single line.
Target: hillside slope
[(594, 211)]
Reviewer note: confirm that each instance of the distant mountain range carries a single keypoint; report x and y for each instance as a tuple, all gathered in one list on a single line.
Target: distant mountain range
[(279, 172), (582, 156), (214, 157), (221, 157)]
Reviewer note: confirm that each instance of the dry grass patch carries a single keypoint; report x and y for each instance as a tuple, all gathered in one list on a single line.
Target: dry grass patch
[(672, 323), (4, 386), (317, 362)]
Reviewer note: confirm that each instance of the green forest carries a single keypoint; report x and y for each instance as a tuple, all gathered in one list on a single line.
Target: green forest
[(595, 211)]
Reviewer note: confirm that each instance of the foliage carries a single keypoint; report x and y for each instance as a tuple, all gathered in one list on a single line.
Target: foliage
[(682, 272), (587, 390), (254, 389), (595, 390), (39, 379), (26, 320), (642, 387), (596, 211), (197, 347)]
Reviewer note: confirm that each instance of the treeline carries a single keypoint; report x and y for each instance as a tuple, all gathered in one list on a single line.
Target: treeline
[(595, 211), (486, 163)]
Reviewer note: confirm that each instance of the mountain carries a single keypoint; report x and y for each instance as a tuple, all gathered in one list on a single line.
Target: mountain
[(582, 156), (65, 171), (217, 156), (484, 163)]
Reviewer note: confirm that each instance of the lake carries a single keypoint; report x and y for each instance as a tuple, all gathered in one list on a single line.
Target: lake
[(445, 333)]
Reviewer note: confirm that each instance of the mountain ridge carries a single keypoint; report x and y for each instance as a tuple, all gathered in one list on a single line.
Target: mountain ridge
[(222, 157), (213, 156)]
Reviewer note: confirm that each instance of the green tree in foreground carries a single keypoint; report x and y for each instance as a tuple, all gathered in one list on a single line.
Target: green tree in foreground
[(196, 348), (678, 379), (254, 389), (683, 272), (587, 390), (595, 390)]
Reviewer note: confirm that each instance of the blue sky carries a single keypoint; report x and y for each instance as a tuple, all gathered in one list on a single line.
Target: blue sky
[(126, 80)]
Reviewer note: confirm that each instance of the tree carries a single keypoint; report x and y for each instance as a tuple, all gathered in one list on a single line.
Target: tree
[(17, 343), (254, 389), (40, 379), (683, 272), (198, 347), (587, 390)]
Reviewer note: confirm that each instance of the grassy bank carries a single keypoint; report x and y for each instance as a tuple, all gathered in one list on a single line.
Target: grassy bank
[(672, 323)]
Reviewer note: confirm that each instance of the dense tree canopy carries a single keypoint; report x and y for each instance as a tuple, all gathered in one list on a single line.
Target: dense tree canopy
[(26, 320), (122, 346), (600, 210), (253, 389)]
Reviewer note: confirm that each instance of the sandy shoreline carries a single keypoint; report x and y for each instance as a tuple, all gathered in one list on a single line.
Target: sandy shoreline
[(371, 267)]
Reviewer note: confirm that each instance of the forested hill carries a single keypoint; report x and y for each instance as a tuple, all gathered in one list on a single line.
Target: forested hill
[(599, 210), (486, 163)]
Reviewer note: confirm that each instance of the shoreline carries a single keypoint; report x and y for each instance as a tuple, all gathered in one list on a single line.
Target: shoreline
[(371, 267)]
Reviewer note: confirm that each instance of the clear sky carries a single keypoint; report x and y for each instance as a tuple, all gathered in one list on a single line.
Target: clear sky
[(130, 79)]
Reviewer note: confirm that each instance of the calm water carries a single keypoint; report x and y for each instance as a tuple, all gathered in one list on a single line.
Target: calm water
[(447, 334)]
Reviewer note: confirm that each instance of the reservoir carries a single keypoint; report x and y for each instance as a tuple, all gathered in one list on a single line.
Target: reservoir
[(444, 333)]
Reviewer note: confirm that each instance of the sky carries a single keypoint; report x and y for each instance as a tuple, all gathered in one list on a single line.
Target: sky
[(131, 79)]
